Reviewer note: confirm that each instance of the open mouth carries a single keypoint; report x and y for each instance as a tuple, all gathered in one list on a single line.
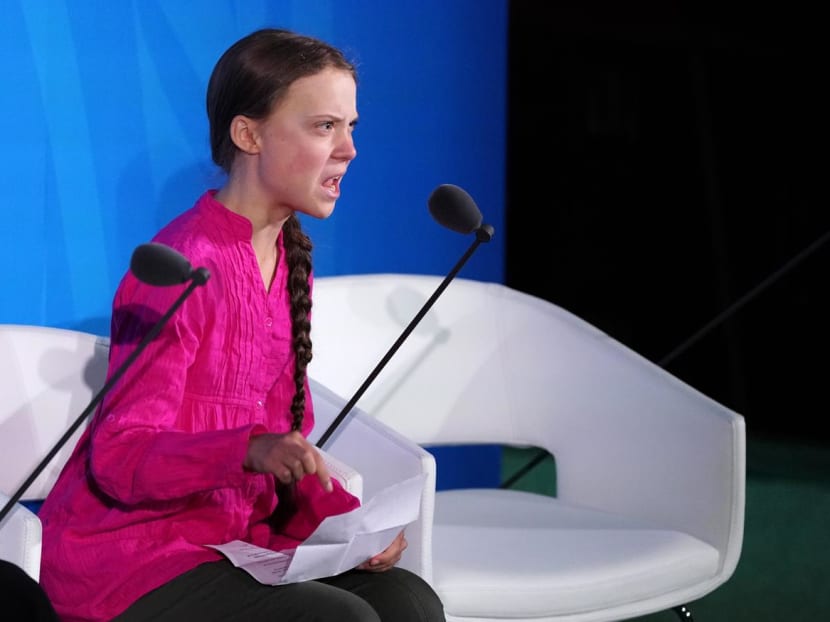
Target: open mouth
[(333, 184)]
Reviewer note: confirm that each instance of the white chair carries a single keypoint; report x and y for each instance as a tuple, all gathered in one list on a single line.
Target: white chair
[(649, 509), (48, 376)]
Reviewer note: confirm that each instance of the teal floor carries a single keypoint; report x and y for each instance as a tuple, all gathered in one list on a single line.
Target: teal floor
[(784, 571)]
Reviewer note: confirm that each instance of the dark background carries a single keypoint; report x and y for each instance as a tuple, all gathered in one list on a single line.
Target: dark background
[(666, 183)]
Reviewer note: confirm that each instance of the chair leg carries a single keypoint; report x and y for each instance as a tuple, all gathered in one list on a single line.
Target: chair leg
[(683, 613)]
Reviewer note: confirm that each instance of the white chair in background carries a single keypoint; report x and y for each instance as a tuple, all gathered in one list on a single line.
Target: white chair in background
[(649, 509), (48, 376)]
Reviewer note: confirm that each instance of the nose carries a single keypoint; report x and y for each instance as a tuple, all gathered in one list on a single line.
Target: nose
[(345, 148)]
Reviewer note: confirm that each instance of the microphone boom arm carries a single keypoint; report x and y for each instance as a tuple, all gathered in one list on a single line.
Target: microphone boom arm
[(483, 234)]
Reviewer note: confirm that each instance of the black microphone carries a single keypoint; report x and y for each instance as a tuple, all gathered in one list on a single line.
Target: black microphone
[(154, 264), (158, 264), (453, 208)]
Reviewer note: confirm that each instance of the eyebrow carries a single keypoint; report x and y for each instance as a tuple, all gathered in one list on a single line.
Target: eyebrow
[(333, 117)]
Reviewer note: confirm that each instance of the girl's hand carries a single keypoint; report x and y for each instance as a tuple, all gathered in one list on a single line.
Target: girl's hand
[(388, 558), (289, 457)]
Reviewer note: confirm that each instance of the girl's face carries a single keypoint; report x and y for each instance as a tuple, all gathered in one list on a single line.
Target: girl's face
[(305, 144)]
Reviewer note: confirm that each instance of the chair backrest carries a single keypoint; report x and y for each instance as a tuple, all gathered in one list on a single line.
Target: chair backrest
[(483, 348), (490, 364), (48, 376)]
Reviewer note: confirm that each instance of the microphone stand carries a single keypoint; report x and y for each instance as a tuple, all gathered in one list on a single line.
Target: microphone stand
[(197, 278), (483, 234)]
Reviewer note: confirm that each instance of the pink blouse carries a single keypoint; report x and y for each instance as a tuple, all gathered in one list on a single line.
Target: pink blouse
[(158, 473)]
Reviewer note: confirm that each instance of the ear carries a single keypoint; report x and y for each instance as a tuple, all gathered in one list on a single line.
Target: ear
[(244, 134)]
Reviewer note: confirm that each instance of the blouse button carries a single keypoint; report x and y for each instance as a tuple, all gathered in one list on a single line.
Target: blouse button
[(268, 322), (259, 404)]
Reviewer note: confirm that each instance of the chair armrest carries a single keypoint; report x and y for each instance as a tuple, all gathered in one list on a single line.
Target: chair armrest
[(350, 479), (21, 538), (383, 457)]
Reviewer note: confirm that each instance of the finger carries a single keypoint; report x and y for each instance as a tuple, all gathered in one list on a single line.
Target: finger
[(399, 544), (309, 461), (285, 476), (372, 564), (322, 472), (387, 558), (378, 565), (297, 469)]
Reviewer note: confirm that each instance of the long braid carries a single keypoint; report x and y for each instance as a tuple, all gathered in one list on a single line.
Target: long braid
[(298, 258), (297, 247)]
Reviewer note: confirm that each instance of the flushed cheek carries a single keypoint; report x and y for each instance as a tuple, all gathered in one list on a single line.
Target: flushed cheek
[(307, 164)]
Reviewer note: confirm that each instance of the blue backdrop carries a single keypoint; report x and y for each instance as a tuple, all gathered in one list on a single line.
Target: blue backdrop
[(104, 139), (104, 136)]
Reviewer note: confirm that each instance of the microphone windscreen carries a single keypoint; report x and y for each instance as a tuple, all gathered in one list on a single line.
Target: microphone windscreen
[(158, 264), (453, 208)]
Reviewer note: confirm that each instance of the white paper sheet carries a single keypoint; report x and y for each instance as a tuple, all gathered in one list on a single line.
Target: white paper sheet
[(338, 544)]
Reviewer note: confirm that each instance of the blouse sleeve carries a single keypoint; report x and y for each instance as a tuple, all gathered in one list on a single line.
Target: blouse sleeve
[(140, 451)]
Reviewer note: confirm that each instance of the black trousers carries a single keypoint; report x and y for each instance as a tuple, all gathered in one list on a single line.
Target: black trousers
[(219, 591), (21, 597)]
